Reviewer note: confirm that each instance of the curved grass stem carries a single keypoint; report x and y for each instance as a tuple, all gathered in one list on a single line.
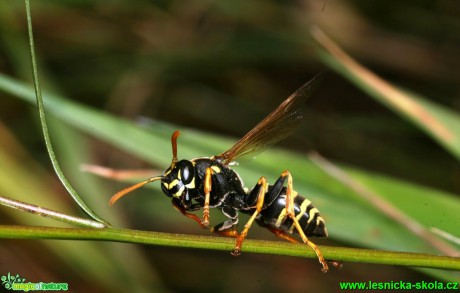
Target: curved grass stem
[(41, 111)]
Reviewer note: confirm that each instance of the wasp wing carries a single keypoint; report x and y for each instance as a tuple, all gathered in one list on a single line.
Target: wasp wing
[(276, 126)]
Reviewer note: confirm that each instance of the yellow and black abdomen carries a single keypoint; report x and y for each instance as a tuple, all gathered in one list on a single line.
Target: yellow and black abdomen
[(309, 218)]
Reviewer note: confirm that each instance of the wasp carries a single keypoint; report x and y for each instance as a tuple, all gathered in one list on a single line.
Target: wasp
[(209, 182)]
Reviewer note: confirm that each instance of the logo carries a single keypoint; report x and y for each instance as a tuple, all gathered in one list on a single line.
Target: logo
[(9, 280), (18, 283)]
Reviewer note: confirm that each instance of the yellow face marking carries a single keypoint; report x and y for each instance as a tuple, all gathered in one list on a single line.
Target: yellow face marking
[(179, 192), (191, 184), (173, 183)]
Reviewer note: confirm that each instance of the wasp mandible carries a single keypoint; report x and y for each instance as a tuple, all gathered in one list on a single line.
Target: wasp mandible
[(205, 183)]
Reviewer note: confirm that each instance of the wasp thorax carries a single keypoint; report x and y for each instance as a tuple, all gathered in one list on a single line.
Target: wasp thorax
[(178, 179)]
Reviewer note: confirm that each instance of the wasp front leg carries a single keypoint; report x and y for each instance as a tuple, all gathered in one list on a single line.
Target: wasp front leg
[(207, 196), (204, 223), (178, 206)]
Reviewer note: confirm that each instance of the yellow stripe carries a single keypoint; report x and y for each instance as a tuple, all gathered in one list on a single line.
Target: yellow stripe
[(319, 219), (312, 213), (303, 209), (280, 219)]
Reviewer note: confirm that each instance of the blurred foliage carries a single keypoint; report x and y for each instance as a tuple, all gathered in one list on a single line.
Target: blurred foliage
[(218, 66)]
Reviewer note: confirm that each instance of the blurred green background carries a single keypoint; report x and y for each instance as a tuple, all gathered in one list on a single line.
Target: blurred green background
[(219, 67)]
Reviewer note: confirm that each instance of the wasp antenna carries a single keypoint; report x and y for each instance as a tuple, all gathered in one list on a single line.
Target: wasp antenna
[(127, 190), (174, 137)]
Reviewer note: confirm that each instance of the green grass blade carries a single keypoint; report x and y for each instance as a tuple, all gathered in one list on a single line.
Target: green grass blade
[(41, 111)]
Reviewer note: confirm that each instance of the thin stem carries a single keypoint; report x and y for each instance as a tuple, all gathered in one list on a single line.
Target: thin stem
[(445, 235), (41, 111), (118, 174), (33, 209), (227, 244)]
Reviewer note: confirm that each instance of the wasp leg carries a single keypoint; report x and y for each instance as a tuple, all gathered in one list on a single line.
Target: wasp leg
[(207, 196), (186, 213), (290, 213), (227, 228), (274, 191), (283, 235), (262, 190)]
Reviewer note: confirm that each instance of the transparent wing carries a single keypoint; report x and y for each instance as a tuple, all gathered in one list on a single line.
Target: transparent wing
[(276, 126)]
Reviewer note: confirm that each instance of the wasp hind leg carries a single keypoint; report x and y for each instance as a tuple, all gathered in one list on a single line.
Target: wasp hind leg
[(261, 189), (283, 235), (291, 214)]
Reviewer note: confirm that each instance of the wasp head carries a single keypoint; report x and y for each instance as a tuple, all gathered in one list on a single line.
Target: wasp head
[(178, 179), (175, 182)]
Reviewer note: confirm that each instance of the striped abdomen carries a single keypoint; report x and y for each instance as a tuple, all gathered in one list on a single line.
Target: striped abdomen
[(307, 215)]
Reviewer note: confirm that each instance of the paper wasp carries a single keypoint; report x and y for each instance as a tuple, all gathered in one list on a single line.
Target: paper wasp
[(205, 183)]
